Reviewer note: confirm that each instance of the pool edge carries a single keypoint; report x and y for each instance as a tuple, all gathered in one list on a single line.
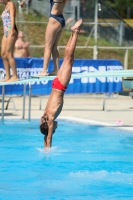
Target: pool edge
[(84, 121)]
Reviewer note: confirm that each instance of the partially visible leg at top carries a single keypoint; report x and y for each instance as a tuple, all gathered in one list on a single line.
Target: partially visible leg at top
[(5, 59), (10, 49), (65, 55)]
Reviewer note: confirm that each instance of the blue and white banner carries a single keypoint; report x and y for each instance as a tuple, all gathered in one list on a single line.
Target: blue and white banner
[(32, 66)]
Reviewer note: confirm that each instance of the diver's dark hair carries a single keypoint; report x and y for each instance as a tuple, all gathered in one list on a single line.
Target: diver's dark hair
[(44, 128)]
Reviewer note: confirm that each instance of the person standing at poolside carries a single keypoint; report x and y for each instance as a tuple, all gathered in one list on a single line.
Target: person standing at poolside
[(8, 40), (52, 35), (21, 47), (55, 102)]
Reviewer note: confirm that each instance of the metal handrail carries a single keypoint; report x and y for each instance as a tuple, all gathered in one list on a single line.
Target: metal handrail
[(95, 50), (46, 22), (1, 74)]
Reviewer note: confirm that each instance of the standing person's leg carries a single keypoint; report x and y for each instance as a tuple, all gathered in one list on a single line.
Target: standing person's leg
[(65, 71), (10, 49), (51, 33), (55, 54), (4, 58)]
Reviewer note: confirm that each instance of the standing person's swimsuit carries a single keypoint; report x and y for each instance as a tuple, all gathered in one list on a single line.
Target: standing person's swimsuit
[(59, 18), (7, 22)]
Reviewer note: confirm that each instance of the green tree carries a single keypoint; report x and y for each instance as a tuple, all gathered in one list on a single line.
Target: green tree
[(121, 6)]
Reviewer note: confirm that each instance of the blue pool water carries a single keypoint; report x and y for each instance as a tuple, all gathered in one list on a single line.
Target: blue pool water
[(85, 163)]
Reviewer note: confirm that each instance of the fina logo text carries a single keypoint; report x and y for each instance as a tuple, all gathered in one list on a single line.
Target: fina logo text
[(87, 69)]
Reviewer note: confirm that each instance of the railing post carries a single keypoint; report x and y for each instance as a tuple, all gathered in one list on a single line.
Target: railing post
[(95, 20), (121, 33), (126, 60), (3, 95), (29, 110), (27, 7), (24, 96), (3, 98), (104, 104), (78, 9), (95, 52)]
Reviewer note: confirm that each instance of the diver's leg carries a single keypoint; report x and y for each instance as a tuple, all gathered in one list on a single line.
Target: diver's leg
[(65, 71)]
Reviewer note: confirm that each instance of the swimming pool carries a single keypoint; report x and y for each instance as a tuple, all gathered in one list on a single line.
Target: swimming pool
[(86, 162)]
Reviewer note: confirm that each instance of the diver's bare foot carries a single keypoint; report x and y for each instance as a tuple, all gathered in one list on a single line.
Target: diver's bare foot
[(77, 25), (5, 79), (13, 79), (42, 74)]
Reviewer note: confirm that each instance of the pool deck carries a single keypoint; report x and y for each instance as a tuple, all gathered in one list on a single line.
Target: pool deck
[(79, 107)]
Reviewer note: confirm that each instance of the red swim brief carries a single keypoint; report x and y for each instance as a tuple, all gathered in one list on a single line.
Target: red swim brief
[(57, 85)]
